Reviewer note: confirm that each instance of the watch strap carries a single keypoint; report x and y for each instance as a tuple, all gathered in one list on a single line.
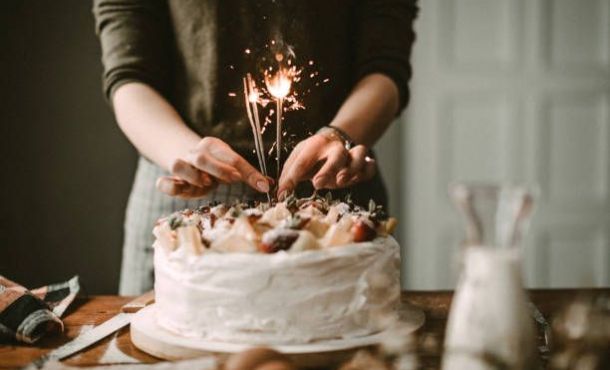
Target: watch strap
[(335, 133)]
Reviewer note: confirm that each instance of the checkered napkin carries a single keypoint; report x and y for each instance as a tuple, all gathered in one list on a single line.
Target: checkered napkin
[(27, 315)]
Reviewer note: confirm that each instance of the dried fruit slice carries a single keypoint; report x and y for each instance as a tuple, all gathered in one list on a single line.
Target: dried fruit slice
[(274, 216), (317, 227), (390, 225), (166, 237), (338, 233), (190, 238), (363, 230), (240, 238), (278, 240)]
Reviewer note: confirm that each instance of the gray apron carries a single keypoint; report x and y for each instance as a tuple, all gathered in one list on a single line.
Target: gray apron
[(145, 206)]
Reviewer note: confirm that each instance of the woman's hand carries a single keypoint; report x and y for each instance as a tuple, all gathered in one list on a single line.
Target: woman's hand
[(327, 163), (212, 161)]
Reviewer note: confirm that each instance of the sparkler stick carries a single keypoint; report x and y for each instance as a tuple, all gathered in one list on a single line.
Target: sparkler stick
[(278, 136), (247, 93), (258, 127), (251, 97)]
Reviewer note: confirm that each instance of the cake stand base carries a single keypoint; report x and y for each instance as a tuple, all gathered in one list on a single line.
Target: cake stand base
[(149, 337)]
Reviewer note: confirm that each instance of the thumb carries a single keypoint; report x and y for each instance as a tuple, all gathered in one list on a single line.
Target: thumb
[(251, 176), (294, 172)]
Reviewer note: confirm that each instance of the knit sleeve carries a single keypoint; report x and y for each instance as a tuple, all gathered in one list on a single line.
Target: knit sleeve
[(384, 37), (136, 42)]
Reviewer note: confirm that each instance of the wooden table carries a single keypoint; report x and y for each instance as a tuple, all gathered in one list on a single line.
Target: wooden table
[(94, 310)]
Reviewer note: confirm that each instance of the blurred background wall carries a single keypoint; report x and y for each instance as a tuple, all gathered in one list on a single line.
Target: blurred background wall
[(511, 91), (503, 91), (66, 168)]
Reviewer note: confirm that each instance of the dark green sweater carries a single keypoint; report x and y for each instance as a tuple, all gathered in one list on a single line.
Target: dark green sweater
[(192, 52)]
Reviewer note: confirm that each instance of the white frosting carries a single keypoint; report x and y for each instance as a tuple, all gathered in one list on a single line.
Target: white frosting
[(277, 298)]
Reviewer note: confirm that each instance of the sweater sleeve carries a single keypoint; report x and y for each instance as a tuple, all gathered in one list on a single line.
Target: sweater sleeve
[(135, 37), (384, 37)]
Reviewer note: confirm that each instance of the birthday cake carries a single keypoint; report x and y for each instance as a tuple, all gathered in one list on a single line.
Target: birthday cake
[(296, 271)]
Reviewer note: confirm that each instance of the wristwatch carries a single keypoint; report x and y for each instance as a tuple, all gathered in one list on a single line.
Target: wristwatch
[(335, 133)]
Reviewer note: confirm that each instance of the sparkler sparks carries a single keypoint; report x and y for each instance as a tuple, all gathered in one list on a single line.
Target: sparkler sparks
[(279, 85), (276, 85)]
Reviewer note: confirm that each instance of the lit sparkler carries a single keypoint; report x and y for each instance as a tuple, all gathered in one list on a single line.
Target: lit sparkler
[(278, 85), (279, 82)]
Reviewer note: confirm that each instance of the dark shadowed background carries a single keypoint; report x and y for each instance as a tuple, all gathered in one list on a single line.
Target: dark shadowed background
[(66, 168)]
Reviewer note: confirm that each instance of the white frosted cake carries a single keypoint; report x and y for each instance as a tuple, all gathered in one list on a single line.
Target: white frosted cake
[(295, 272)]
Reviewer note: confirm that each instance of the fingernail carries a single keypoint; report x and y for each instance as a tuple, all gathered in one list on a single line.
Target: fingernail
[(262, 185), (166, 185), (342, 179), (282, 195), (163, 186)]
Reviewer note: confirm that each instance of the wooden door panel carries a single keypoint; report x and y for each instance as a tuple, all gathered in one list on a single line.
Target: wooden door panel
[(511, 91)]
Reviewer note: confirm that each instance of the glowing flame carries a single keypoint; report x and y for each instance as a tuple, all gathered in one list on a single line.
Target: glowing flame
[(279, 84)]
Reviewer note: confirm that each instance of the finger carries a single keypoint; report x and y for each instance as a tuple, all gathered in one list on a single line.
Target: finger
[(296, 170), (171, 185), (179, 188), (205, 162), (192, 191), (294, 154), (336, 159), (246, 171), (189, 173), (367, 172), (302, 163), (208, 180), (370, 168), (168, 185), (356, 164), (250, 175)]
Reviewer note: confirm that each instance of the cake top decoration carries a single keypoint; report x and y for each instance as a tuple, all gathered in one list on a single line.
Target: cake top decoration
[(293, 225)]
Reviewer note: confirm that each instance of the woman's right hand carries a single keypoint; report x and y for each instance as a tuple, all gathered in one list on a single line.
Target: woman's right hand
[(212, 161)]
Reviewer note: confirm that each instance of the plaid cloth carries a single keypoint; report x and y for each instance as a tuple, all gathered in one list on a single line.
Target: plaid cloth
[(27, 315), (145, 206)]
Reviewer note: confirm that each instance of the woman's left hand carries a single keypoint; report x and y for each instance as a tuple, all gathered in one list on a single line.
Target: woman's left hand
[(327, 163)]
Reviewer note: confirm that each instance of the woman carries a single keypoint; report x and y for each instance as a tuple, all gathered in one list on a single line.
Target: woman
[(171, 69)]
